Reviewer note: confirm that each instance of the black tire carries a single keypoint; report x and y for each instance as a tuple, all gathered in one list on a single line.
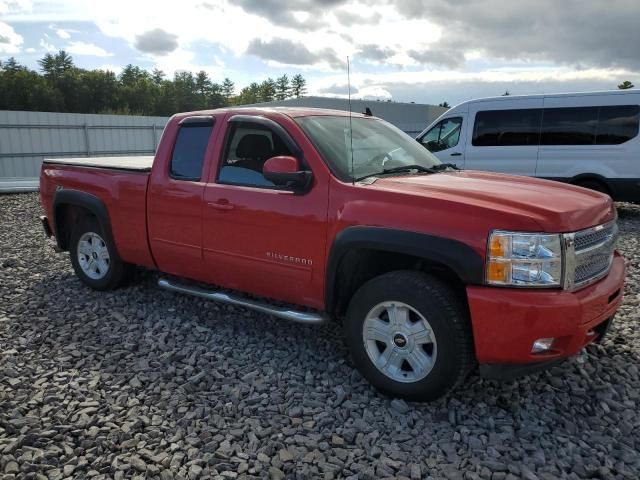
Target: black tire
[(447, 317), (591, 184), (117, 271)]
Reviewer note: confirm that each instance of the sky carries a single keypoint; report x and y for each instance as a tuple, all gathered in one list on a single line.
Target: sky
[(423, 51)]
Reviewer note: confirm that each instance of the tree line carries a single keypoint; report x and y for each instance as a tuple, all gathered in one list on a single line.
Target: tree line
[(61, 86)]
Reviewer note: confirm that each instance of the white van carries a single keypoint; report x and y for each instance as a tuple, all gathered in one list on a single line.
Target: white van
[(588, 139)]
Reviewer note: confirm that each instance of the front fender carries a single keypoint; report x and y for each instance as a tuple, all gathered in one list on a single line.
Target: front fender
[(459, 257)]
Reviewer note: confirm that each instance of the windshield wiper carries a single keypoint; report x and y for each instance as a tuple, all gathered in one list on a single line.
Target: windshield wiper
[(407, 168), (443, 166)]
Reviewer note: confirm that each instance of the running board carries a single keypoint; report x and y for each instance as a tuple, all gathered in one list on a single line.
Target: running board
[(280, 312)]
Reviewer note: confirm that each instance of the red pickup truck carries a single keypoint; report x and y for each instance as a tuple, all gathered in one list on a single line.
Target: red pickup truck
[(312, 215)]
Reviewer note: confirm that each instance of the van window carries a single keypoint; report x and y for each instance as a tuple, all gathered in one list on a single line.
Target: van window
[(569, 126), (188, 152), (495, 128), (445, 134), (617, 124)]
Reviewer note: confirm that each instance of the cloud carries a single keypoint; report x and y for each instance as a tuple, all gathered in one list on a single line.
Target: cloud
[(601, 34), (349, 18), (287, 52), (338, 89), (62, 33), (46, 46), (156, 42), (438, 57), (297, 14), (375, 53), (435, 86), (10, 6), (88, 49), (10, 41)]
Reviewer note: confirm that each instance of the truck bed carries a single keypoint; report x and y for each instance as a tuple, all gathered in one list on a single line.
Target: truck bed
[(133, 163)]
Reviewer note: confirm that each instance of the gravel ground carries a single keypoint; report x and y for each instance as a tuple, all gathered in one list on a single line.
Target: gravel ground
[(142, 383)]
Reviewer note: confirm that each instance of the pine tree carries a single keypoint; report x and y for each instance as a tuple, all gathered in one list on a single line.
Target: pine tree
[(298, 86), (267, 90), (228, 89), (54, 66), (283, 89)]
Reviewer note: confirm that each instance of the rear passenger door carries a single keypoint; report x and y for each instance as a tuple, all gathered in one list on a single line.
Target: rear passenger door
[(174, 199), (504, 136)]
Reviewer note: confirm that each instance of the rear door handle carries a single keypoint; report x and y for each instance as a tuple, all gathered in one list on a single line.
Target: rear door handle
[(456, 154), (221, 205)]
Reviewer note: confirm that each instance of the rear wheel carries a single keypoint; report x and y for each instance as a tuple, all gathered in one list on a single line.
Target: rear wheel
[(93, 258), (592, 184), (409, 335)]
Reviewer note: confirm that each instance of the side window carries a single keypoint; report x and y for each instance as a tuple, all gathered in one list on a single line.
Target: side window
[(188, 152), (248, 147), (443, 135), (618, 124), (500, 128), (569, 126)]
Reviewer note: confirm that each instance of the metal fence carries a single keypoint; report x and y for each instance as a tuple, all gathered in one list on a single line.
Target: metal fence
[(28, 137)]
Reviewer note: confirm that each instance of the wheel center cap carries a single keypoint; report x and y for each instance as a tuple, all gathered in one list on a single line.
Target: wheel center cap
[(94, 255), (400, 340)]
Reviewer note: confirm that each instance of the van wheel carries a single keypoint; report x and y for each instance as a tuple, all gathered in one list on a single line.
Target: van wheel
[(94, 259), (593, 185), (409, 335)]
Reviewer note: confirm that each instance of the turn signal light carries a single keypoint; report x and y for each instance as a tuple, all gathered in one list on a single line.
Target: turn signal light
[(497, 272)]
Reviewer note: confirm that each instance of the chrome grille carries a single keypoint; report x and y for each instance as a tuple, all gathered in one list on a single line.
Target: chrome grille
[(592, 236), (589, 254)]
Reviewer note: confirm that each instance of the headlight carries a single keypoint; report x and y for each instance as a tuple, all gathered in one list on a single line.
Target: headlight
[(524, 259)]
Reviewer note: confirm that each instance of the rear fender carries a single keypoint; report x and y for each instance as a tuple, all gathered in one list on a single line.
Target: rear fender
[(86, 201)]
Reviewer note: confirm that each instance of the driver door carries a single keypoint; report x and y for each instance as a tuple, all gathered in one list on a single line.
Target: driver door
[(257, 237), (446, 140)]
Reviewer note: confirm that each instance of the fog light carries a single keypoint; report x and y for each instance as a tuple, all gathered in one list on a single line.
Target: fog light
[(542, 345)]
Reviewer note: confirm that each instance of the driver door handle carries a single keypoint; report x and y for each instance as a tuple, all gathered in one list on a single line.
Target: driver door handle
[(221, 205), (456, 154)]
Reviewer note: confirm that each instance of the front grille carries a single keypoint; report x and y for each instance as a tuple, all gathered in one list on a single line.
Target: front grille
[(589, 254), (592, 236)]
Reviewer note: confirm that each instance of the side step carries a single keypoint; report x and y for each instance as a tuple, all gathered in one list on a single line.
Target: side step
[(280, 312)]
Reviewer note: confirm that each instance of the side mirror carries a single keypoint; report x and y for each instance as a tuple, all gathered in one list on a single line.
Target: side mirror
[(285, 171)]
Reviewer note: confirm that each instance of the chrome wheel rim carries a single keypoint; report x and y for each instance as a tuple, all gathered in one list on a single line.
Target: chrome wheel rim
[(399, 341), (93, 256)]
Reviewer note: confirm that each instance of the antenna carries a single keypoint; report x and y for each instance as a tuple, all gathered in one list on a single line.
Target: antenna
[(353, 178)]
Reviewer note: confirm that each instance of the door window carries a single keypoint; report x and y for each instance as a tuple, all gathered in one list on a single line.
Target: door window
[(569, 126), (500, 128), (188, 152), (610, 125), (445, 134), (248, 147)]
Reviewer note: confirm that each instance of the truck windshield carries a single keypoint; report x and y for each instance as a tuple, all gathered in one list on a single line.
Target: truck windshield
[(377, 146)]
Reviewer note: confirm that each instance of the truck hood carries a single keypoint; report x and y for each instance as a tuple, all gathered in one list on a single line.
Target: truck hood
[(554, 206)]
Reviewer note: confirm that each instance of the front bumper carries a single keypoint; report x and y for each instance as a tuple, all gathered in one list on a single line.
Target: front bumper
[(506, 322)]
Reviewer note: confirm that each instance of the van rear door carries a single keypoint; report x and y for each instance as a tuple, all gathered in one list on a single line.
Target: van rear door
[(504, 135)]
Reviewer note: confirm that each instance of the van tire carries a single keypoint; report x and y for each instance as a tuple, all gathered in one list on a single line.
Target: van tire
[(593, 184), (429, 303), (89, 240)]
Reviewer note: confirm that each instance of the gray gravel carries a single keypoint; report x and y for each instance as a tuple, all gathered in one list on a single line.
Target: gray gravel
[(142, 383)]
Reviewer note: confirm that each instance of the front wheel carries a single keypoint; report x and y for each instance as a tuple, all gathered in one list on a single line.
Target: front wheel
[(409, 335), (94, 260)]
